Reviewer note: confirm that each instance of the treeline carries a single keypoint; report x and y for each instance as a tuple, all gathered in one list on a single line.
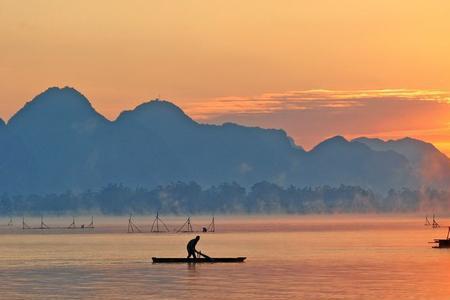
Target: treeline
[(227, 198)]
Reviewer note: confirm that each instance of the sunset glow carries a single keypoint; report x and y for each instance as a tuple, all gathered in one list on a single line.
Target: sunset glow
[(313, 115), (224, 149), (374, 68)]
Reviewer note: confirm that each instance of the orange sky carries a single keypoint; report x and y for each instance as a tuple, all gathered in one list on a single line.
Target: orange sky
[(198, 53)]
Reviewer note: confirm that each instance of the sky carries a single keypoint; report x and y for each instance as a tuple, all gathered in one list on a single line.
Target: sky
[(314, 68)]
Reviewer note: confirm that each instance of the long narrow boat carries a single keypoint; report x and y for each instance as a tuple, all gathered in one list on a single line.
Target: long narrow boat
[(168, 260)]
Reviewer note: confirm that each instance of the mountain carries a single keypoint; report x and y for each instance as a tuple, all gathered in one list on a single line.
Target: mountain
[(58, 142), (336, 161), (15, 166), (209, 153), (429, 164), (59, 130)]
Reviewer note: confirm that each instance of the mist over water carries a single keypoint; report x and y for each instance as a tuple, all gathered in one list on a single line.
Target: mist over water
[(309, 257)]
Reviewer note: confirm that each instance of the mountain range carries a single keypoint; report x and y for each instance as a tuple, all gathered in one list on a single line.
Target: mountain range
[(58, 142)]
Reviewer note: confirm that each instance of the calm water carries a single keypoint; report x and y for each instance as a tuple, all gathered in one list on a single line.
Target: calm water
[(322, 257)]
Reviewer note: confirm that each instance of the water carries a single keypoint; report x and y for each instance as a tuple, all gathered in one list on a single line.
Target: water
[(320, 257)]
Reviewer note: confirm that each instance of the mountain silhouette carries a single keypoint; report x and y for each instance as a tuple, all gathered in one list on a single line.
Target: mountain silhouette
[(58, 131), (337, 160), (58, 142), (429, 164)]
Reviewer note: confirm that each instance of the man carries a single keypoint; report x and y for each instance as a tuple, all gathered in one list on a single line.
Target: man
[(191, 247)]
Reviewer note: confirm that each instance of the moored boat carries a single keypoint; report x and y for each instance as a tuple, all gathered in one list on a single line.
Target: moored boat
[(198, 260), (443, 243)]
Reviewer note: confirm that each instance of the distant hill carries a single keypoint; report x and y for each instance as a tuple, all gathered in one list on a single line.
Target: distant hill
[(428, 163), (336, 161), (57, 141)]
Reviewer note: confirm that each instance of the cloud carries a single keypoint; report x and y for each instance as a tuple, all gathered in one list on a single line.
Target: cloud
[(313, 115), (307, 100)]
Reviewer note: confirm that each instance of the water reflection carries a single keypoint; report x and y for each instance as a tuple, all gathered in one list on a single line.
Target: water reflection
[(388, 259), (191, 267)]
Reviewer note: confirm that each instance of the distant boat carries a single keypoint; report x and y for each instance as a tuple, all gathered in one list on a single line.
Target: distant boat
[(168, 260), (427, 222), (442, 243)]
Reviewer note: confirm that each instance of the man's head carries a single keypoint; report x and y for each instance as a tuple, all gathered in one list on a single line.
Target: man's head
[(197, 237)]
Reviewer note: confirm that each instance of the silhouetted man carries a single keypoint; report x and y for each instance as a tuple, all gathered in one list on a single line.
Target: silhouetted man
[(191, 247)]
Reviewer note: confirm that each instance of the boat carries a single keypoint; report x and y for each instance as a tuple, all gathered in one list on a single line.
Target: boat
[(168, 260), (442, 243)]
